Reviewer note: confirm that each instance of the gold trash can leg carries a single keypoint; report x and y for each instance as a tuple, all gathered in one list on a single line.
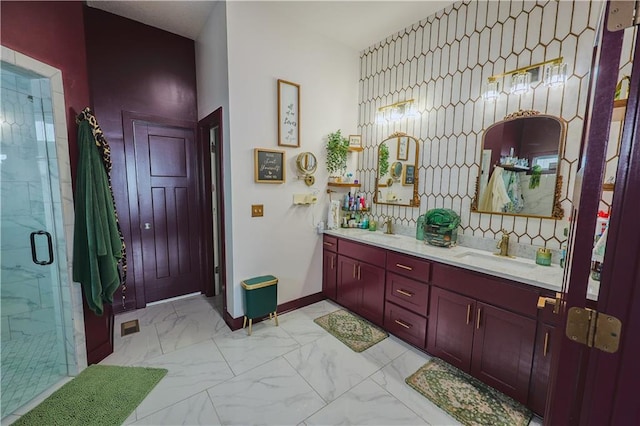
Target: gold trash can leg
[(275, 315), (250, 321), (244, 322)]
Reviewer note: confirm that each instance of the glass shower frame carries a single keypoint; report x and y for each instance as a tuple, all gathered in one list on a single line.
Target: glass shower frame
[(67, 297)]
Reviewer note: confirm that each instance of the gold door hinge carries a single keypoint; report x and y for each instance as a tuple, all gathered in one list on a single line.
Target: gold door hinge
[(623, 14), (594, 329)]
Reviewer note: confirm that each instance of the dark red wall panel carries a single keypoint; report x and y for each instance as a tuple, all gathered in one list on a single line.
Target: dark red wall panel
[(136, 68), (52, 32)]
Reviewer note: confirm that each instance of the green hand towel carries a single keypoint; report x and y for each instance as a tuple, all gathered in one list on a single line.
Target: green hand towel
[(96, 242)]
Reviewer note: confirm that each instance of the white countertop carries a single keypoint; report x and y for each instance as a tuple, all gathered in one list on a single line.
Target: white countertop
[(519, 269)]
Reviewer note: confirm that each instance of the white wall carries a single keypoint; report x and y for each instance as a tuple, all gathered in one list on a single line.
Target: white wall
[(263, 47)]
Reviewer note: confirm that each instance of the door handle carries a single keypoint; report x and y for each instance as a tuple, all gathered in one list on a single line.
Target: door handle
[(34, 254), (358, 272), (543, 301), (478, 319), (468, 314)]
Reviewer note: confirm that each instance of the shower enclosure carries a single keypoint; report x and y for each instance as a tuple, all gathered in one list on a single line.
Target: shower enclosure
[(39, 305)]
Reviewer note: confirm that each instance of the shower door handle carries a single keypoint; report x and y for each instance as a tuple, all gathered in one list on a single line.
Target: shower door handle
[(34, 254)]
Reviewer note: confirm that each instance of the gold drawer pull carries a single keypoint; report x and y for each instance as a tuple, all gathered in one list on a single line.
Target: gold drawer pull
[(546, 344), (478, 319), (404, 293), (468, 314), (408, 268), (400, 323), (328, 244)]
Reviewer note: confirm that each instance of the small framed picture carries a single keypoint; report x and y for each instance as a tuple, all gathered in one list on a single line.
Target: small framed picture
[(355, 142), (403, 148), (409, 174), (288, 114), (269, 166)]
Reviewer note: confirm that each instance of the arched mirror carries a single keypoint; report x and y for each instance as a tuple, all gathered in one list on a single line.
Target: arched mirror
[(397, 173), (307, 164), (520, 166)]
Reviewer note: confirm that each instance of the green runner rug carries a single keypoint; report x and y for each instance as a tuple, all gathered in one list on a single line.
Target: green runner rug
[(354, 332), (100, 395), (465, 398)]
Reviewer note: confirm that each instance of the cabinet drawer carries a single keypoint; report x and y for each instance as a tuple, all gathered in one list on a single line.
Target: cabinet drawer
[(406, 325), (363, 252), (330, 243), (407, 293), (488, 289), (409, 266)]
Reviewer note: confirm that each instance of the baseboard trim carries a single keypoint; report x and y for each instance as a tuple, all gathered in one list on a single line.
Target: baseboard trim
[(292, 305)]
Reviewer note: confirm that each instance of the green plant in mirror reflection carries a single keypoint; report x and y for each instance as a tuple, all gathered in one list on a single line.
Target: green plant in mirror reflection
[(383, 161)]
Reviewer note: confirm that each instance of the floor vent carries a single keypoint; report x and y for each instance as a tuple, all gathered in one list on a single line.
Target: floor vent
[(129, 327)]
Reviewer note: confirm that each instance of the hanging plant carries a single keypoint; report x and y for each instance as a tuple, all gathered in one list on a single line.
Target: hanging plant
[(383, 161), (536, 171), (337, 148)]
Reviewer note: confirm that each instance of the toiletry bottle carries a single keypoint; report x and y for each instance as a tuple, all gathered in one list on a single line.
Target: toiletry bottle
[(345, 205), (357, 206), (420, 227), (351, 202)]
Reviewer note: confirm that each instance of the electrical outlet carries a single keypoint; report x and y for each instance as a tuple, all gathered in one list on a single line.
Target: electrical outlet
[(257, 210)]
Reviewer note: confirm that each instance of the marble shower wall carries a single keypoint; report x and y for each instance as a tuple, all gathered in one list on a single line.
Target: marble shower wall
[(443, 62)]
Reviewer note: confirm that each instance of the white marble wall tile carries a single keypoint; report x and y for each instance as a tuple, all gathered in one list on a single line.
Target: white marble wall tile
[(195, 410), (330, 367), (366, 404), (275, 393), (191, 370)]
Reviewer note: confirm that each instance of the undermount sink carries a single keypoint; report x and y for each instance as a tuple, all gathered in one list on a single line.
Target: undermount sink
[(491, 260), (378, 236)]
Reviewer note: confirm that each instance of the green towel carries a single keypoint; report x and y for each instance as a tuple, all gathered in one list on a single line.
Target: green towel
[(96, 242)]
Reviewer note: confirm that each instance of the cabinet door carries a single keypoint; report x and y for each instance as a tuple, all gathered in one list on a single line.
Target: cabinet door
[(541, 368), (329, 274), (503, 350), (371, 280), (348, 289), (450, 334)]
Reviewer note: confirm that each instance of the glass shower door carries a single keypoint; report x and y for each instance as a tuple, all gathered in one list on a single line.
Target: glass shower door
[(33, 344)]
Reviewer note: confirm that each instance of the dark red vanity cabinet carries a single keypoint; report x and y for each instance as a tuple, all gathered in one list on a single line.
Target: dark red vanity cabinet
[(541, 368), (407, 297), (329, 266), (468, 331), (450, 334), (360, 283), (503, 350)]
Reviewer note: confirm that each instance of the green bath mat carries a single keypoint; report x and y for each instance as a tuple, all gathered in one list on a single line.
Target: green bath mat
[(100, 395), (465, 398), (354, 332)]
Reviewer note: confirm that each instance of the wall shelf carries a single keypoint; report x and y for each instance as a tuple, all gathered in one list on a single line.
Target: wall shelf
[(344, 185), (619, 108)]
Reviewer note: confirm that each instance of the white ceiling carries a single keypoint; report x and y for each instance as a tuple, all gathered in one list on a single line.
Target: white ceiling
[(358, 24)]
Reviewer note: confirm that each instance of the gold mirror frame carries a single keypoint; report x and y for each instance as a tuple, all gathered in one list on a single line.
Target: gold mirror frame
[(557, 212), (401, 181), (306, 169)]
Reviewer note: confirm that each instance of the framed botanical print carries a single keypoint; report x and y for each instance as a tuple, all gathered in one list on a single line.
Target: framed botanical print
[(288, 114)]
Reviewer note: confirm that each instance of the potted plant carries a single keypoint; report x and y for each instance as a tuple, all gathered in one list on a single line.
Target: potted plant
[(337, 148)]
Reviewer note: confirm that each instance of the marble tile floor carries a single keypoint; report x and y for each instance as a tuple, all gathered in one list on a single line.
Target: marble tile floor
[(294, 374)]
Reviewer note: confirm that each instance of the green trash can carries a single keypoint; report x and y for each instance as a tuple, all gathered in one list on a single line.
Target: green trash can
[(260, 298)]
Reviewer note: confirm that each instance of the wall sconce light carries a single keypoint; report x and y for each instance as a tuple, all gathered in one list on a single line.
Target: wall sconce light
[(397, 111), (555, 74)]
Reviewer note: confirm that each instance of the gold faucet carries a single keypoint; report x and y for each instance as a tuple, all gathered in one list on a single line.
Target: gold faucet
[(503, 244), (389, 224)]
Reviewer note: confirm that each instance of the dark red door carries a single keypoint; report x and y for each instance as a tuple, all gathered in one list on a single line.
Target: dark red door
[(371, 280), (168, 199), (329, 267), (349, 291), (450, 335), (503, 350)]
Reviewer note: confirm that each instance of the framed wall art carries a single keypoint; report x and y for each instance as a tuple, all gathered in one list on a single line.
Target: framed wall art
[(409, 174), (269, 166), (288, 114), (403, 148), (355, 142)]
